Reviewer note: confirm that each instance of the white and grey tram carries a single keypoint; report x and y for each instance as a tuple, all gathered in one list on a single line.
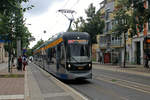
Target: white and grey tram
[(67, 56)]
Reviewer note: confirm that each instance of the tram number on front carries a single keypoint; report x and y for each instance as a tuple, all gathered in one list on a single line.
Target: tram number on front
[(80, 67)]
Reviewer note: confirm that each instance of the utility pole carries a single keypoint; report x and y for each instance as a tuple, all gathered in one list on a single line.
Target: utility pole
[(71, 18), (18, 47), (124, 62)]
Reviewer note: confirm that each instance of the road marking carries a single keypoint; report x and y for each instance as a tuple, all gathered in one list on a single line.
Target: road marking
[(26, 88), (135, 83), (56, 94), (6, 97), (125, 83), (122, 70), (108, 91)]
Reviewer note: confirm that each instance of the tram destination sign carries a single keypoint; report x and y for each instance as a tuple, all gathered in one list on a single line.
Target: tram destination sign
[(78, 41)]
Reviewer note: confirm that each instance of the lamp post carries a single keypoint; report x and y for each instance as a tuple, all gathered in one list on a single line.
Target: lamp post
[(124, 35)]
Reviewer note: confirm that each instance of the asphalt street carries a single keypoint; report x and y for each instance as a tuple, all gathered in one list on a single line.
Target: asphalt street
[(111, 85)]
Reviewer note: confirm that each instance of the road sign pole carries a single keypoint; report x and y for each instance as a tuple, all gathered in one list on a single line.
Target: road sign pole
[(9, 55), (18, 47)]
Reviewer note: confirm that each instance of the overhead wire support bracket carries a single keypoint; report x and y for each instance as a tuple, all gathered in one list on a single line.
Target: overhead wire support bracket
[(65, 12)]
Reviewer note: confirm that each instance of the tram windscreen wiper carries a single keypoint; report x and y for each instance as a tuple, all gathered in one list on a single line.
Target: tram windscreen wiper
[(75, 59)]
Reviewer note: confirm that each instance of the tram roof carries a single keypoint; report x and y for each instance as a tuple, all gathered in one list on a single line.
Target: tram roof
[(63, 35)]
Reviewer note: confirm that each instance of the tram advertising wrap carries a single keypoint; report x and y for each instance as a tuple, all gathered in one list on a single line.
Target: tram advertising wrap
[(67, 56)]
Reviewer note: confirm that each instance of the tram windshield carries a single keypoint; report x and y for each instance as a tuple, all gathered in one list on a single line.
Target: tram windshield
[(79, 51)]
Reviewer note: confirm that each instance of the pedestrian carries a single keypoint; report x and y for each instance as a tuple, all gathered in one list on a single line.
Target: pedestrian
[(100, 59), (24, 62), (146, 61), (19, 67)]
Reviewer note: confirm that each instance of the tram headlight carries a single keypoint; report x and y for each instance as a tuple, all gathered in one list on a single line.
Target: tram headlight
[(69, 65), (90, 65)]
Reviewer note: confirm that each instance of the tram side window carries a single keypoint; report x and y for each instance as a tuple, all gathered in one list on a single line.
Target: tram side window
[(62, 53), (53, 55), (53, 52), (49, 54), (58, 54)]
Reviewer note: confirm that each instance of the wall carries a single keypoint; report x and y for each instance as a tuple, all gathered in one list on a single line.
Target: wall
[(94, 49)]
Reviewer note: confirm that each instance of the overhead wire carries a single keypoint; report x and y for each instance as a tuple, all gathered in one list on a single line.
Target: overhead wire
[(75, 4), (58, 22), (65, 4)]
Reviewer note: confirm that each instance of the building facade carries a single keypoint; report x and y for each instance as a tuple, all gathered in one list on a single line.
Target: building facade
[(112, 47), (2, 53)]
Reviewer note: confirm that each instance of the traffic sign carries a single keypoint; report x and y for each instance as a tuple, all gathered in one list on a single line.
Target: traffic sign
[(4, 38)]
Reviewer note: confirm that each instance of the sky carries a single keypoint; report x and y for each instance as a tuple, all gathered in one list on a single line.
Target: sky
[(44, 16)]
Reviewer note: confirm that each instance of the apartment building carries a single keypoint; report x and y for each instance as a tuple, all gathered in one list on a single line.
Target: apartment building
[(112, 47), (137, 41)]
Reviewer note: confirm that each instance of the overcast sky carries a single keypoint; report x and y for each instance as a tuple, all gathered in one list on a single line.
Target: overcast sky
[(45, 16)]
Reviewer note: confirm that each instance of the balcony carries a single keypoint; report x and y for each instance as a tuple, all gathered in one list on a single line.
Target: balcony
[(103, 45), (116, 43)]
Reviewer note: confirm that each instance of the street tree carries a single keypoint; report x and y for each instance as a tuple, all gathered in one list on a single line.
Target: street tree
[(141, 10), (40, 42), (130, 15), (122, 22), (93, 24), (12, 23)]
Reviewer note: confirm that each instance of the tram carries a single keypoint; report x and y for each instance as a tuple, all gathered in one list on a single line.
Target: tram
[(67, 56)]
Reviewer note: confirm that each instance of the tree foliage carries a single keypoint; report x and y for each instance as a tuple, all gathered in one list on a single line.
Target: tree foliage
[(12, 21), (121, 18), (93, 24), (40, 42), (128, 16), (137, 17), (140, 12)]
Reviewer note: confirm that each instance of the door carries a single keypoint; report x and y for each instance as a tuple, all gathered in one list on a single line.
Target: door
[(107, 58), (138, 53)]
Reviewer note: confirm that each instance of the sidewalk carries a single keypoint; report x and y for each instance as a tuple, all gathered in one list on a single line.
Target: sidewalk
[(33, 84), (11, 84), (43, 86), (132, 69)]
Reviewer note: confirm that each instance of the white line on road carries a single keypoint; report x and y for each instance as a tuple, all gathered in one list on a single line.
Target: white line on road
[(6, 97), (122, 70), (123, 83), (56, 94), (26, 88)]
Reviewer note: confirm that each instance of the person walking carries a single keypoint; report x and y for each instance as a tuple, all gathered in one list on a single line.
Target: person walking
[(24, 62), (19, 63)]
